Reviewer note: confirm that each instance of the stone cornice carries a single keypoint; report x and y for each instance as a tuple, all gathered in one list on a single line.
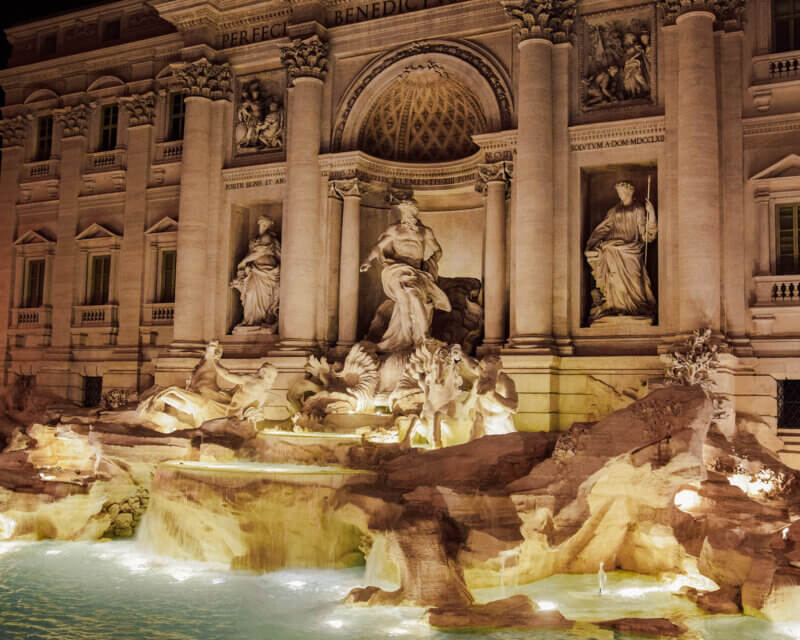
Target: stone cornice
[(306, 58), (89, 14), (204, 79), (764, 125), (551, 20), (729, 13), (591, 137)]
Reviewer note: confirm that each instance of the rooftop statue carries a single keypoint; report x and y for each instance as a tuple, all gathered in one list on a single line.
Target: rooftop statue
[(616, 253), (409, 254), (258, 280)]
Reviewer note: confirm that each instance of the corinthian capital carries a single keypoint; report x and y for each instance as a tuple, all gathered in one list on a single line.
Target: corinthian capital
[(305, 58), (75, 119), (141, 109), (13, 131), (352, 187), (495, 172), (548, 19), (202, 78), (729, 13)]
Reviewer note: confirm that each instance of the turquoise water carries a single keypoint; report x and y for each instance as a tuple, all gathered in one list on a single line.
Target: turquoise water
[(114, 591)]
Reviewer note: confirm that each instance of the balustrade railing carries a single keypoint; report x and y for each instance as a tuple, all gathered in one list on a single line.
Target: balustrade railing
[(105, 314), (106, 160), (776, 67), (777, 290), (30, 317), (40, 170), (160, 312), (169, 151)]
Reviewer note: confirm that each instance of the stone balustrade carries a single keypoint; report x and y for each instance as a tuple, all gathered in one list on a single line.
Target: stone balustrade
[(776, 67), (781, 290), (169, 151), (105, 160), (30, 317), (94, 315), (41, 170), (159, 313)]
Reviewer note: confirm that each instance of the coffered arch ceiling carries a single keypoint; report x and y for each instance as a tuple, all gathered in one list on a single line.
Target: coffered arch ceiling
[(423, 103)]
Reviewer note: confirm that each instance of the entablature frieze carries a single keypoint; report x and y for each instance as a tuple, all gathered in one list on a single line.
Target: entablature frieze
[(625, 133), (765, 125), (251, 177)]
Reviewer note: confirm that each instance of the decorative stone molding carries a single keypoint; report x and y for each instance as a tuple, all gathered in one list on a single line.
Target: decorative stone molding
[(459, 50), (305, 58), (141, 109), (13, 131), (266, 175), (260, 119), (729, 13), (496, 172), (591, 137), (202, 78), (352, 187), (75, 119), (762, 125), (547, 19)]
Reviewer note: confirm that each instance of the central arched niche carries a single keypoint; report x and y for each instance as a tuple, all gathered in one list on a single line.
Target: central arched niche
[(423, 115), (423, 102)]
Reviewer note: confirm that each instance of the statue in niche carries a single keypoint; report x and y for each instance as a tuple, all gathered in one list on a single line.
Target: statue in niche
[(619, 63), (261, 120), (409, 253), (258, 280), (616, 253)]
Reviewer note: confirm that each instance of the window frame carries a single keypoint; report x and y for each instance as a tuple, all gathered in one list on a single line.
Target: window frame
[(27, 295), (96, 240), (795, 212), (161, 288), (174, 98), (44, 152), (98, 292), (793, 19), (112, 129)]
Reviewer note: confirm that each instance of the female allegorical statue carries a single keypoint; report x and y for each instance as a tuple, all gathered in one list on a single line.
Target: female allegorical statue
[(258, 279), (615, 252)]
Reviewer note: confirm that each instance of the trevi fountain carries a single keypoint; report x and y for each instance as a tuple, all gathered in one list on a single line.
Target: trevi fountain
[(397, 499)]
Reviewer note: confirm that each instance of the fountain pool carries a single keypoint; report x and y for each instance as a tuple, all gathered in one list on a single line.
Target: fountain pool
[(96, 591)]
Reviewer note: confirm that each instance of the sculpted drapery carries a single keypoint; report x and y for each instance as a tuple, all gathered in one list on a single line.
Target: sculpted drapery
[(258, 278), (615, 252)]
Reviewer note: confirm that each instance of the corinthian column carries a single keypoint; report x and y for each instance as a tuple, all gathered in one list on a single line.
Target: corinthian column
[(493, 182), (699, 255), (202, 83), (349, 260), (306, 61), (541, 23)]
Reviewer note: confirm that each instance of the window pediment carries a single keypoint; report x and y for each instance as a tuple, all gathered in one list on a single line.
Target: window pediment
[(99, 237), (33, 243), (167, 224), (788, 167)]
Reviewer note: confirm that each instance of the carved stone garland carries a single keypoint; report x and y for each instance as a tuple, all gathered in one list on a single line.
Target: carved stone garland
[(728, 12), (141, 109), (549, 19), (202, 78), (306, 58), (13, 131), (75, 119)]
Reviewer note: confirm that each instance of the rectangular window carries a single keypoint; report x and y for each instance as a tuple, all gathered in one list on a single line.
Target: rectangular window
[(111, 30), (108, 132), (169, 260), (44, 138), (34, 284), (177, 113), (789, 404), (100, 278), (92, 390), (786, 25), (49, 44), (788, 233)]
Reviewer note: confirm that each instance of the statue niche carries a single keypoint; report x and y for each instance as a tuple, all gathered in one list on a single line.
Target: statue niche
[(616, 252), (258, 281), (260, 120)]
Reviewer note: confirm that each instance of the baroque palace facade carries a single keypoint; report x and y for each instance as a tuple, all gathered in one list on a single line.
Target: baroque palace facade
[(601, 177)]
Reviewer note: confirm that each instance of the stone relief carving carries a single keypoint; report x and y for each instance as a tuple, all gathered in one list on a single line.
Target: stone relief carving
[(257, 280), (409, 253), (141, 109), (75, 119), (726, 11), (202, 78), (306, 57), (13, 131), (494, 172), (618, 62), (549, 19), (261, 119), (616, 253)]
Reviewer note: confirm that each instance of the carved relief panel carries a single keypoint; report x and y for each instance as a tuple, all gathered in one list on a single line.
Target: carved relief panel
[(618, 58), (260, 120)]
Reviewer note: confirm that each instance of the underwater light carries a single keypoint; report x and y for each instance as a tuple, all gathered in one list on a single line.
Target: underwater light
[(7, 527), (546, 605), (687, 499), (336, 624)]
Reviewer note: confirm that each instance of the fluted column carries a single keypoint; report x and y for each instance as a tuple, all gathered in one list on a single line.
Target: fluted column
[(541, 23), (494, 181), (13, 132), (202, 83), (306, 62), (141, 110), (349, 259), (74, 123)]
